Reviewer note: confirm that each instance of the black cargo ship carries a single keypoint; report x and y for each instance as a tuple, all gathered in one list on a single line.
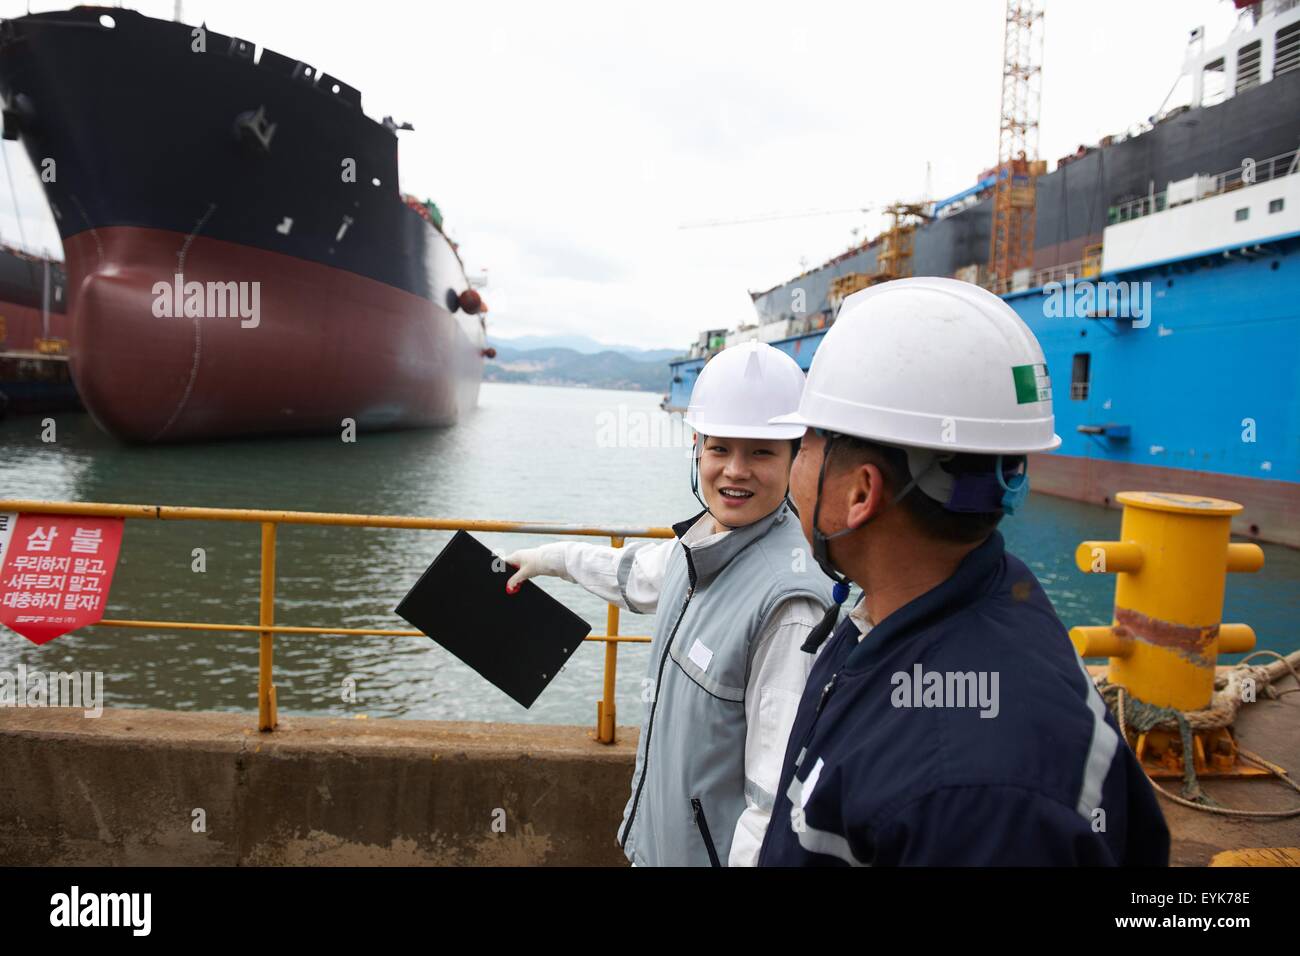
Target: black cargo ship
[(259, 181)]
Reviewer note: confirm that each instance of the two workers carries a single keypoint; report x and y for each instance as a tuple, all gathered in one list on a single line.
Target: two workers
[(946, 718)]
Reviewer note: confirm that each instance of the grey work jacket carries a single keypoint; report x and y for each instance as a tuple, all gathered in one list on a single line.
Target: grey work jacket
[(688, 788)]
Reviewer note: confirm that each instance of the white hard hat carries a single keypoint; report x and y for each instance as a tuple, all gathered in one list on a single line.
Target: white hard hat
[(742, 388), (931, 363)]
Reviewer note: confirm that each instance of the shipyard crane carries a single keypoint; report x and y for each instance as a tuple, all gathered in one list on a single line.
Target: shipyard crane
[(894, 258), (1011, 240), (894, 261)]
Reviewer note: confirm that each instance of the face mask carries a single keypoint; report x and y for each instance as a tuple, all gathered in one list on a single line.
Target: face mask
[(962, 490), (821, 549), (821, 545)]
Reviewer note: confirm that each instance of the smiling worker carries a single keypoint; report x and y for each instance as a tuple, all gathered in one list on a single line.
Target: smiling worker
[(737, 598), (949, 720)]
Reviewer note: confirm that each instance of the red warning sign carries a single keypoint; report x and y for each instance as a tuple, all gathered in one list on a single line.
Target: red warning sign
[(55, 571)]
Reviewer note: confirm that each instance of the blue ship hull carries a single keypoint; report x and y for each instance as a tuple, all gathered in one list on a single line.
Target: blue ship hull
[(1204, 399)]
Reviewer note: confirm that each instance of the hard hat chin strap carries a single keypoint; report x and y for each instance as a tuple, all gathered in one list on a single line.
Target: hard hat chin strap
[(821, 541)]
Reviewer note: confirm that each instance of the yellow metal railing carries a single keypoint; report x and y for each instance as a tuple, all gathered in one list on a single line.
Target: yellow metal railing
[(266, 628)]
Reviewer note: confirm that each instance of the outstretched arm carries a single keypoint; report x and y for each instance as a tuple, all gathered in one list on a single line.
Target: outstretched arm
[(630, 577)]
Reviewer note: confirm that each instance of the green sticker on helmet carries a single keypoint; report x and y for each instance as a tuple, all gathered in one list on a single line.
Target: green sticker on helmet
[(1032, 383)]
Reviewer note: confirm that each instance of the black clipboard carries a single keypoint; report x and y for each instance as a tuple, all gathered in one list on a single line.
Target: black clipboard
[(518, 642)]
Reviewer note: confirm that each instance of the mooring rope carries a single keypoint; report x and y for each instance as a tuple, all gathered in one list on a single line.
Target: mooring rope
[(1224, 706)]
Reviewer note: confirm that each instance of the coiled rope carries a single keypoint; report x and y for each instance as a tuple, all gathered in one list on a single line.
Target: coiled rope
[(1227, 700)]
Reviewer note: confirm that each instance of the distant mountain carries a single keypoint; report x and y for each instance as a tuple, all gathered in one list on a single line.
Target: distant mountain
[(655, 355), (565, 366), (583, 345)]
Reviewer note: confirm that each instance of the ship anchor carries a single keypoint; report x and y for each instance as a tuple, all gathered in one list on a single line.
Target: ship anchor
[(252, 126)]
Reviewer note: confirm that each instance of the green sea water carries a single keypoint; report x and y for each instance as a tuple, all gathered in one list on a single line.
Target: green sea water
[(528, 453)]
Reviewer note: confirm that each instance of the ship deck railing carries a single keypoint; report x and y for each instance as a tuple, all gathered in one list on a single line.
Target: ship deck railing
[(265, 627), (1089, 267), (1263, 171), (1267, 170)]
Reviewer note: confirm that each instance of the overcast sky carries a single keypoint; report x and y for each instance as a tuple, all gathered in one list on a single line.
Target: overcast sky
[(567, 142)]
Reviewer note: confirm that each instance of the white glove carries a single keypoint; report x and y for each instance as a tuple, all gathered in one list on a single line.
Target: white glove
[(548, 559)]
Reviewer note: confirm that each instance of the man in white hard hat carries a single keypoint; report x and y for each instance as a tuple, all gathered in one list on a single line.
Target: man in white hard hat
[(948, 720), (735, 599)]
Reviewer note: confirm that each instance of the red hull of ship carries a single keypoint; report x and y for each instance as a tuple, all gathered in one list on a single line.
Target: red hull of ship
[(1272, 508), (21, 326), (329, 345)]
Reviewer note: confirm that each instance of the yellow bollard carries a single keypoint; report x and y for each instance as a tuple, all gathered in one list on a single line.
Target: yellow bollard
[(1171, 563)]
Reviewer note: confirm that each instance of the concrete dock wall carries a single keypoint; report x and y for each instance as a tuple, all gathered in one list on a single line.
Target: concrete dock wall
[(142, 787), (149, 787)]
